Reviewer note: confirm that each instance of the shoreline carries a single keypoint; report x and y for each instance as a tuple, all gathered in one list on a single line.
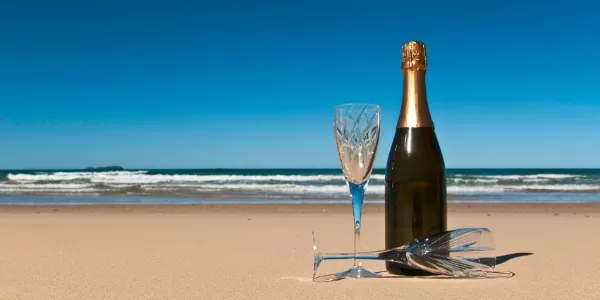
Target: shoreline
[(589, 209), (60, 199)]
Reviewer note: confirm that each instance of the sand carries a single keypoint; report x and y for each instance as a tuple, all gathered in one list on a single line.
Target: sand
[(264, 252)]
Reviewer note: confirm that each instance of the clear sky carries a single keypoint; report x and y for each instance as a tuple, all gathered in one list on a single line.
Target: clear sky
[(243, 84)]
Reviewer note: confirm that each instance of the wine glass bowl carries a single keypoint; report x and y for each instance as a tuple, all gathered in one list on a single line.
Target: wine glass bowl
[(356, 131), (357, 138)]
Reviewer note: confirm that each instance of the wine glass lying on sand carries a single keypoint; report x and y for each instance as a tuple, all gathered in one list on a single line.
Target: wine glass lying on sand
[(438, 254), (356, 132)]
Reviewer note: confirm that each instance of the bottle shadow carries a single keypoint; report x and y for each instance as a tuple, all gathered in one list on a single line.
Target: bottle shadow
[(492, 275)]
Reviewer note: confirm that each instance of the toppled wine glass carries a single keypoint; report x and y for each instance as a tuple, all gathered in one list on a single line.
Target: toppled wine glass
[(438, 254)]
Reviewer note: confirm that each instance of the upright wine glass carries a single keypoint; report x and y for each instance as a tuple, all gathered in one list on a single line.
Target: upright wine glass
[(356, 130)]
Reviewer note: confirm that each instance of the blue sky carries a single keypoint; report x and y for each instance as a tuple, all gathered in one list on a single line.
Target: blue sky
[(243, 84)]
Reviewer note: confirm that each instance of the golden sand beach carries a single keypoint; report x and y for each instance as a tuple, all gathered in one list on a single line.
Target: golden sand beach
[(264, 252)]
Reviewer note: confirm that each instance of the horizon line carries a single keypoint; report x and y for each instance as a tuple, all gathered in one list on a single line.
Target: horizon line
[(296, 168)]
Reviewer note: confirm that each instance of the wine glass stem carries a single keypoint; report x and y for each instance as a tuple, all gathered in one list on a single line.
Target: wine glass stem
[(358, 193), (356, 241)]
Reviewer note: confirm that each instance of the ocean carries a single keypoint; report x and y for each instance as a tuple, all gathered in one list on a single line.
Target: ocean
[(282, 186)]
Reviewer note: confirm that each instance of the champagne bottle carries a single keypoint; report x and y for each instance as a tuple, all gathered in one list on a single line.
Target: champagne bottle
[(415, 178)]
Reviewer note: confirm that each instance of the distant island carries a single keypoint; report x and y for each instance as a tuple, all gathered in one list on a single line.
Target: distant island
[(107, 168)]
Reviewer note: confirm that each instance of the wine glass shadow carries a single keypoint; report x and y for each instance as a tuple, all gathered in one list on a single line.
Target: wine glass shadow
[(495, 275), (504, 258)]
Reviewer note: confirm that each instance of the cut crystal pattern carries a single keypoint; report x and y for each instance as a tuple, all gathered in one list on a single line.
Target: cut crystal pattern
[(357, 137)]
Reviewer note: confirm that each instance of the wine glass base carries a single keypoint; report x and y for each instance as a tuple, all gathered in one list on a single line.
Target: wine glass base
[(357, 272)]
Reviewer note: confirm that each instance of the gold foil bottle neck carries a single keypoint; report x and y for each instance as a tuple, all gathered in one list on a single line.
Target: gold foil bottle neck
[(415, 110), (414, 56)]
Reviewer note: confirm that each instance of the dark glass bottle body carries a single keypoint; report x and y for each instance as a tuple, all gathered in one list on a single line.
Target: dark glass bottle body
[(415, 190)]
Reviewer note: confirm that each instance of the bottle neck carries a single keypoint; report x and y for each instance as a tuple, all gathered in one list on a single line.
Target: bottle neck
[(415, 110)]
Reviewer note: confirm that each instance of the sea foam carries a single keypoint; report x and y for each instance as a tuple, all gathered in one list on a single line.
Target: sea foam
[(309, 185)]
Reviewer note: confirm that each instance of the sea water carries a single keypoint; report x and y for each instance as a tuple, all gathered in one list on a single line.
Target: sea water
[(283, 186)]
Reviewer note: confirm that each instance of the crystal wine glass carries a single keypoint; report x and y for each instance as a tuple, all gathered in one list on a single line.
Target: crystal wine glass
[(356, 130), (459, 253)]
